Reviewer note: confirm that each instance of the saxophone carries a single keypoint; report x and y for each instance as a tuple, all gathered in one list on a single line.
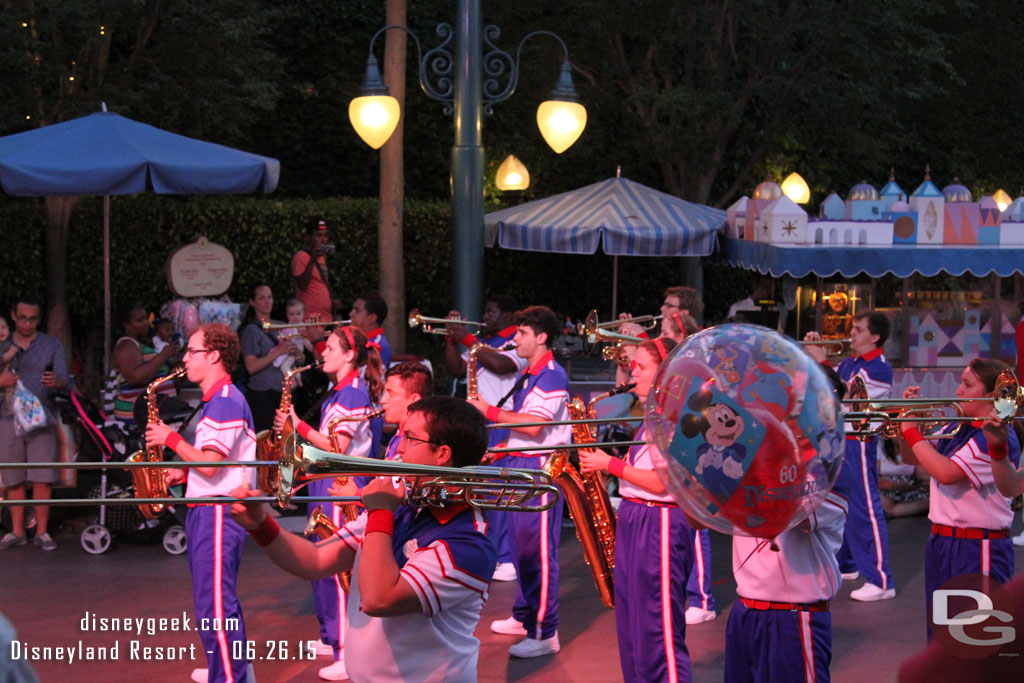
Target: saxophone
[(268, 442), (323, 526), (588, 500), (151, 482), (472, 384)]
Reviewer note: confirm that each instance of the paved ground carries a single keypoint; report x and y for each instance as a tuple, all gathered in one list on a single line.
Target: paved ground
[(46, 596)]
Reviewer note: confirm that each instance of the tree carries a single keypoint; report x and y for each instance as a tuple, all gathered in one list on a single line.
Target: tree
[(197, 68)]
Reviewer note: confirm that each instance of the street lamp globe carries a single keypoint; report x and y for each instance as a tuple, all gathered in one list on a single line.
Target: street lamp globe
[(512, 175), (561, 123), (374, 117)]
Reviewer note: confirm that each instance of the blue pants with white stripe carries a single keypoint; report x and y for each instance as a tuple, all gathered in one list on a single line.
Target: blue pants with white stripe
[(497, 523), (777, 646), (698, 586), (652, 562), (947, 557), (215, 544), (329, 599), (865, 539), (534, 538)]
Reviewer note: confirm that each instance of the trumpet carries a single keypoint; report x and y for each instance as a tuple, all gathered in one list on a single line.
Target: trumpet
[(428, 324), (270, 327), (834, 347), (592, 332), (652, 319), (883, 417)]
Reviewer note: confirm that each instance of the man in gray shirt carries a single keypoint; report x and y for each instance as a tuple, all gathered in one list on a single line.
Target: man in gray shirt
[(39, 364)]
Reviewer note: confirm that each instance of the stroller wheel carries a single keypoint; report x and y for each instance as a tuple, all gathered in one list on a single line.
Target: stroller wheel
[(96, 539), (175, 540)]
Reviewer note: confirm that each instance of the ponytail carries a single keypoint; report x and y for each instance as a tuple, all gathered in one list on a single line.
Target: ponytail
[(367, 354)]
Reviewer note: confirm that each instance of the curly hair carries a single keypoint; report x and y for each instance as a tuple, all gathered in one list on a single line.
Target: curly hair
[(220, 337), (370, 357)]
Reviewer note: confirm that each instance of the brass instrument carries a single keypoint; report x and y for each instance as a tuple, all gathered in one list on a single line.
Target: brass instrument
[(483, 488), (884, 416), (152, 483), (586, 494), (348, 510), (267, 440), (592, 332), (833, 347), (472, 384), (324, 527), (269, 326), (428, 324), (653, 319)]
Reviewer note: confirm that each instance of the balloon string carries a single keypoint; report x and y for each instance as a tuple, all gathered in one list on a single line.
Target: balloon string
[(758, 548)]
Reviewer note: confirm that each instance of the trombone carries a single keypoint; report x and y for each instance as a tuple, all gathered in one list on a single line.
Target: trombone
[(652, 319), (428, 324), (269, 326), (481, 487), (883, 416), (834, 347)]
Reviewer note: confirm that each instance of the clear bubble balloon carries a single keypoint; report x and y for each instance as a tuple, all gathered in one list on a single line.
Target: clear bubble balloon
[(748, 430)]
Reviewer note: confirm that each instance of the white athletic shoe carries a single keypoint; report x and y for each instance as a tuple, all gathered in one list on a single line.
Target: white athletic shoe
[(508, 627), (851, 576), (1019, 539), (322, 649), (698, 615), (200, 675), (869, 592), (505, 571), (535, 648), (334, 672)]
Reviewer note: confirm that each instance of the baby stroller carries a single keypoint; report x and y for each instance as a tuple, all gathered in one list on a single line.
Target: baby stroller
[(111, 442)]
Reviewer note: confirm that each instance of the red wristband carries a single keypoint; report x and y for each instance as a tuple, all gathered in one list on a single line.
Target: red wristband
[(492, 413), (303, 429), (616, 467), (643, 335), (469, 340), (266, 532), (913, 436), (380, 520), (173, 439), (998, 451)]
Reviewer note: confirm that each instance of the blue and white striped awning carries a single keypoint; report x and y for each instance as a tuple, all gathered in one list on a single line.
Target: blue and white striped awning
[(634, 220)]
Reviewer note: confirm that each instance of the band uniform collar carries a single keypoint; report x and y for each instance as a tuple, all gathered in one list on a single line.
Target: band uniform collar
[(216, 387), (542, 363)]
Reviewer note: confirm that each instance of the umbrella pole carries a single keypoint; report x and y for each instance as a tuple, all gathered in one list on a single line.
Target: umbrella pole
[(615, 286), (106, 286)]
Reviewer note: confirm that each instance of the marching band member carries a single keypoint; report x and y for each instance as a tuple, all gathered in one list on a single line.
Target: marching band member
[(347, 351), (780, 627), (970, 517), (417, 574), (653, 555), (215, 542), (368, 314), (496, 373), (406, 383), (865, 548), (540, 395)]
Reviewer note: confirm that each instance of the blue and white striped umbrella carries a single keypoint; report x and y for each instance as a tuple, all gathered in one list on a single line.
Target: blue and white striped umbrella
[(633, 219)]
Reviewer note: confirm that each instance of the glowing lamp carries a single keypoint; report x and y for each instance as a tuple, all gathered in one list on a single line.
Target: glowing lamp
[(796, 188), (1003, 200), (512, 175), (375, 113), (561, 118)]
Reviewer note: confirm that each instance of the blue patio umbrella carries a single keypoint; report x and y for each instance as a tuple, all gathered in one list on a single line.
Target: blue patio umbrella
[(107, 154), (623, 216)]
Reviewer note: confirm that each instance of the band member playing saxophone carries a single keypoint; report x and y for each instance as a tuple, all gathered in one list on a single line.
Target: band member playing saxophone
[(496, 369), (215, 542), (418, 574), (347, 352)]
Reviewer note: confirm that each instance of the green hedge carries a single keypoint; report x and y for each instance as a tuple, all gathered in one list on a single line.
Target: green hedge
[(263, 233)]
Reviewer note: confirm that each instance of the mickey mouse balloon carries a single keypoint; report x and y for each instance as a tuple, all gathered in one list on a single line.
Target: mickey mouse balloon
[(749, 430)]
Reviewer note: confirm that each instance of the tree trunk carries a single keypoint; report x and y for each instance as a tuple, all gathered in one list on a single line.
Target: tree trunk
[(58, 226), (392, 186)]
